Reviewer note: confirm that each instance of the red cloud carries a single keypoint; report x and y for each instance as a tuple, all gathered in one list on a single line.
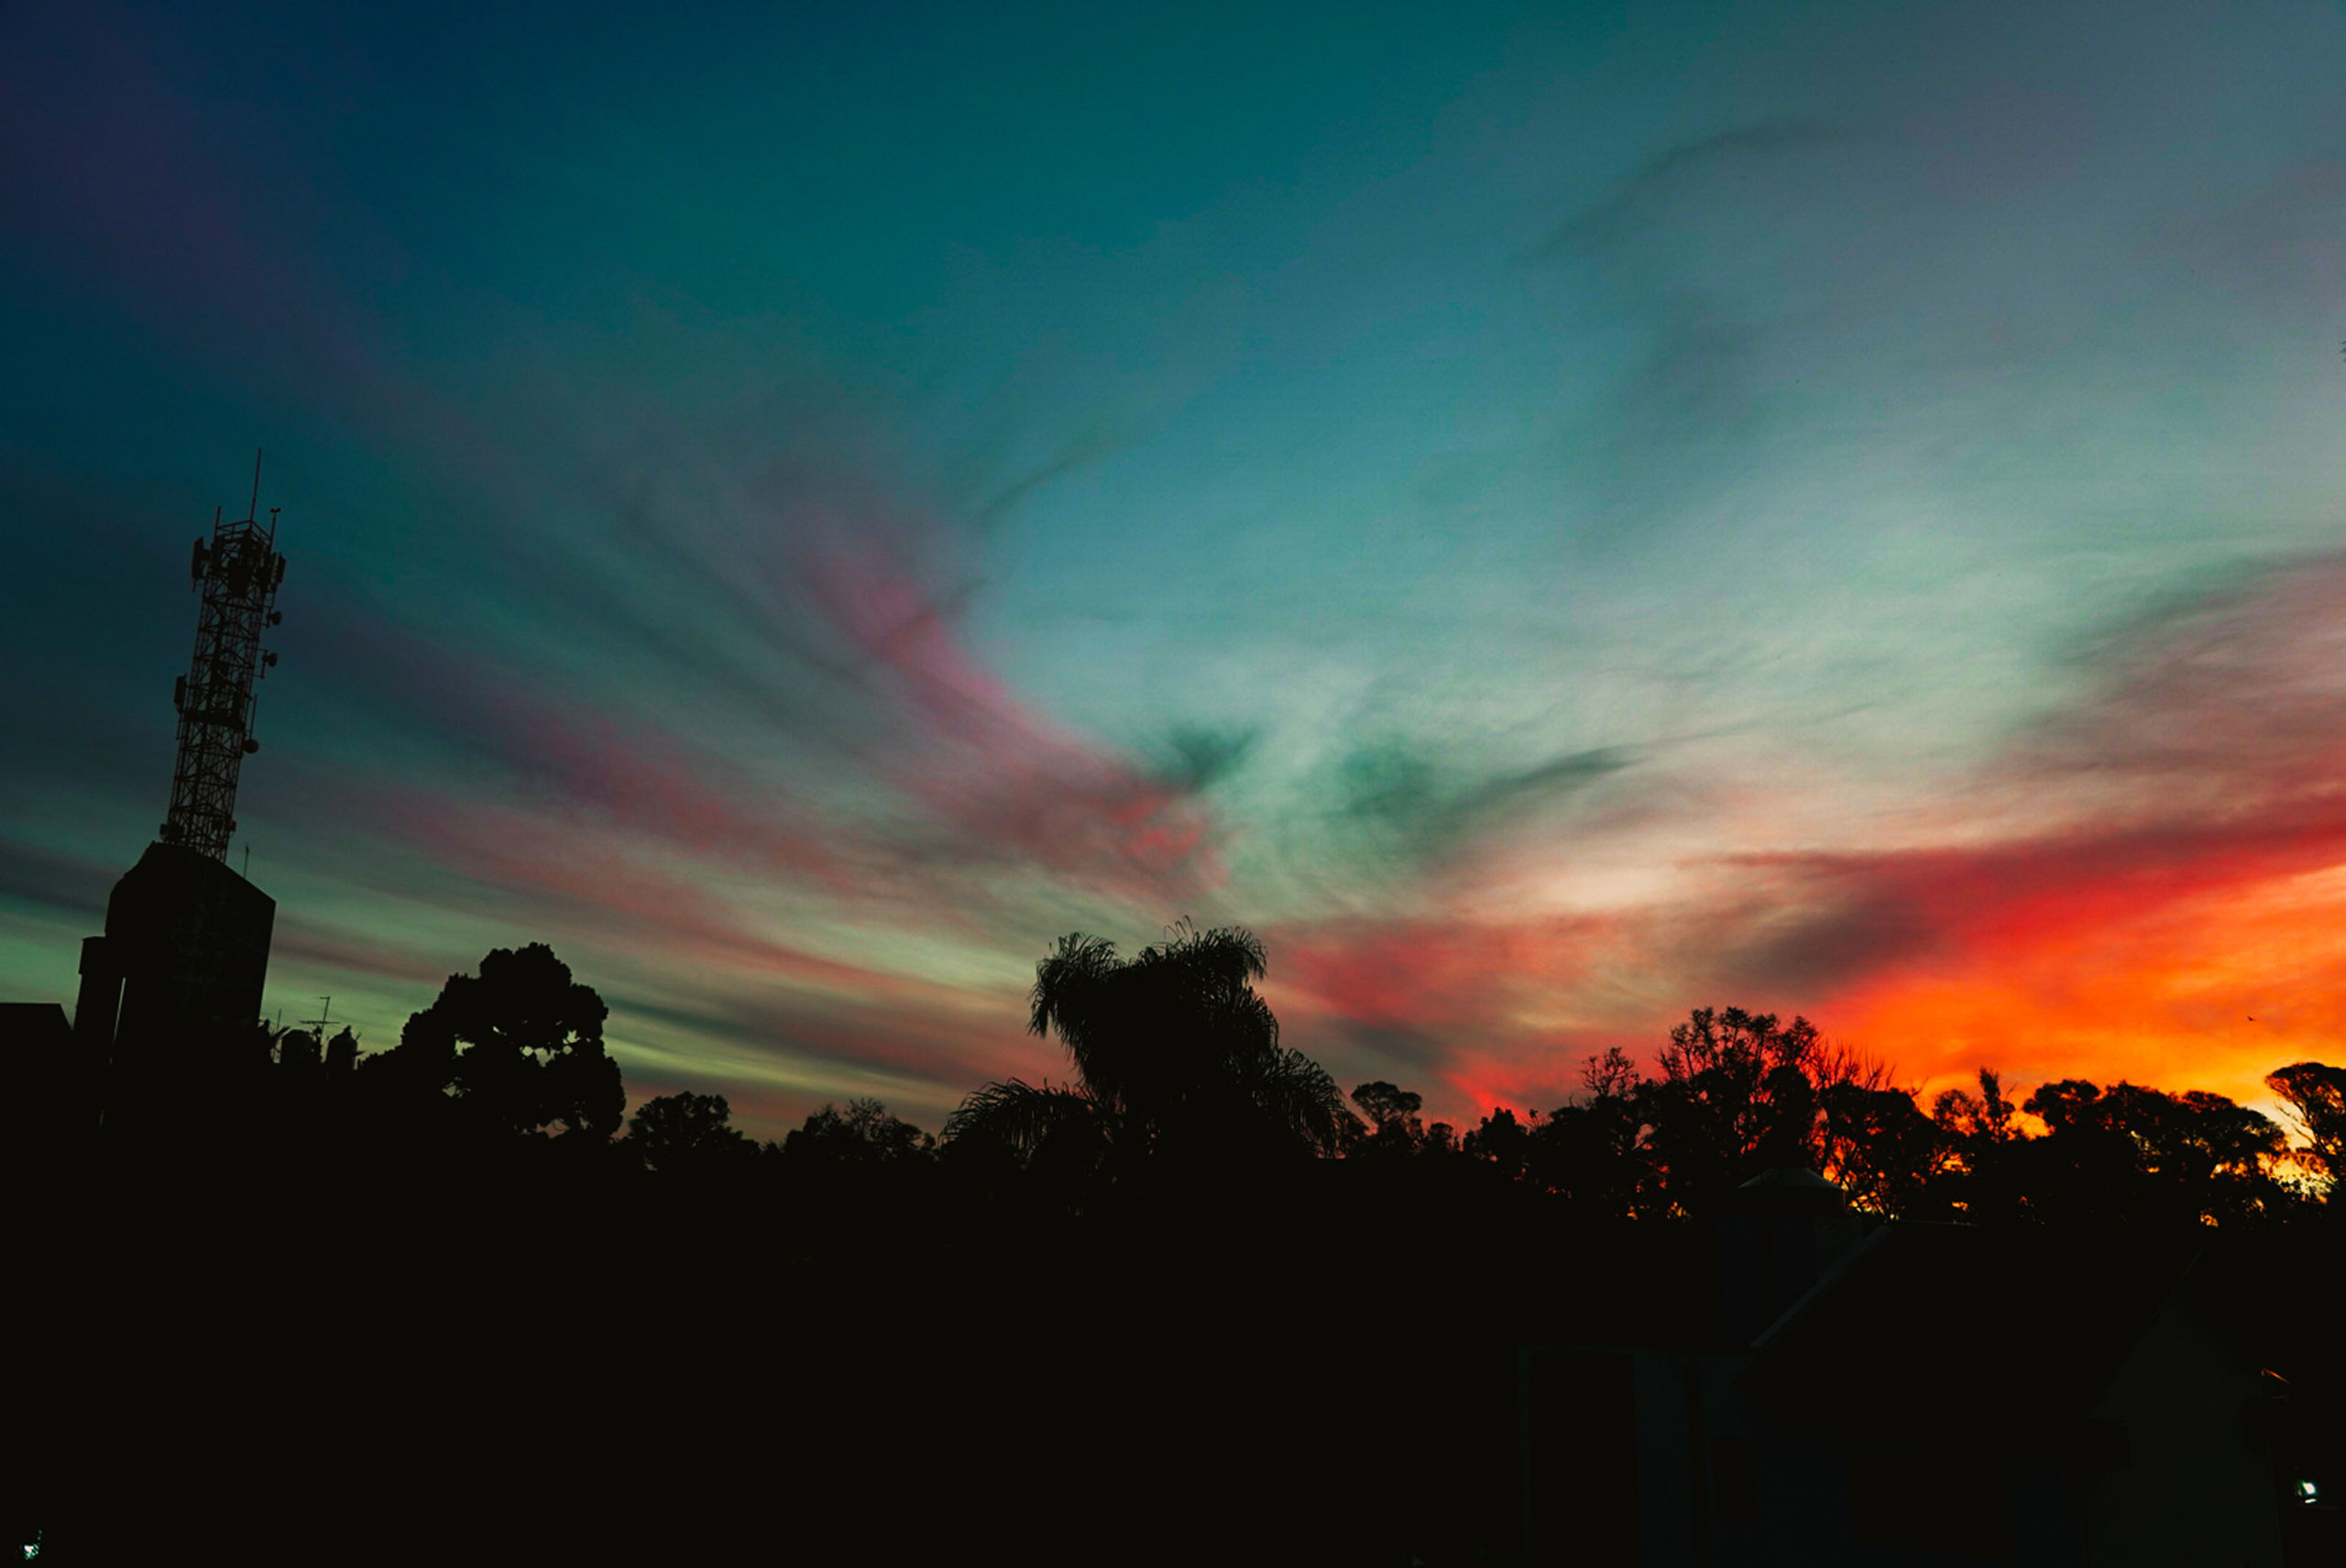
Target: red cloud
[(2172, 922), (1458, 1010), (989, 767)]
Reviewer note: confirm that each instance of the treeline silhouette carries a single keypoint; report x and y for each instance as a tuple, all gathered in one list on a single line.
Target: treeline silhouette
[(1191, 1300)]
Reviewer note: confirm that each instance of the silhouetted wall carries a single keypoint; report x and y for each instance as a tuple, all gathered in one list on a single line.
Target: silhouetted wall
[(189, 939)]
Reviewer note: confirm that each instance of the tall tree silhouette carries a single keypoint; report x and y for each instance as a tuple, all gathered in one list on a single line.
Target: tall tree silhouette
[(1594, 1150), (1176, 1057), (1880, 1146), (1392, 1113), (2315, 1093), (1986, 1117), (1983, 1165), (1739, 1094)]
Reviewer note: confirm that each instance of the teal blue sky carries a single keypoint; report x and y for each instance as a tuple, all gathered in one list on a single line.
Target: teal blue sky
[(1554, 515)]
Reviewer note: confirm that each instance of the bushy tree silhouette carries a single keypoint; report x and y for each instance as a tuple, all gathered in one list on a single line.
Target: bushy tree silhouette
[(1594, 1151), (1980, 1164), (1880, 1146), (1504, 1141), (1739, 1094), (1394, 1125), (865, 1133), (2131, 1154), (687, 1133), (1982, 1119), (518, 1048)]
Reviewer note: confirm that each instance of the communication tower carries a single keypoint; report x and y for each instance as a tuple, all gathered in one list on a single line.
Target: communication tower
[(184, 957), (238, 571)]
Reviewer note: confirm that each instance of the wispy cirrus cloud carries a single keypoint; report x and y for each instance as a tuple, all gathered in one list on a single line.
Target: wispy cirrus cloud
[(2145, 880), (1662, 175), (602, 766), (1534, 643)]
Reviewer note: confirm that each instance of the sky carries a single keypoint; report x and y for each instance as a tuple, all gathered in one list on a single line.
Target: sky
[(1552, 516)]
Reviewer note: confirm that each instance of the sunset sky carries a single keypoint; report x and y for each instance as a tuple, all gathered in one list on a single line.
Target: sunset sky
[(1552, 516)]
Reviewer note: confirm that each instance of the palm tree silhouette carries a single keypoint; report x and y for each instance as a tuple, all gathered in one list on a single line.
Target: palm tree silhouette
[(1177, 1059)]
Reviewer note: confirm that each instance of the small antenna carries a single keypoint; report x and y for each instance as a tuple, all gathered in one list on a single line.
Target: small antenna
[(252, 512), (324, 1012), (248, 860)]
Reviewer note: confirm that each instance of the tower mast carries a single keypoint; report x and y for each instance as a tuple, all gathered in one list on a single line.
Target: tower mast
[(238, 571)]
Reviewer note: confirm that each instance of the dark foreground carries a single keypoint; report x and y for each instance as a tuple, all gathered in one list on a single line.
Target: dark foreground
[(526, 1366), (523, 1360)]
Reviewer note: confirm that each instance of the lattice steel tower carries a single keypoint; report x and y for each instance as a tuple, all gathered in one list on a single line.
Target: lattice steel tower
[(238, 571)]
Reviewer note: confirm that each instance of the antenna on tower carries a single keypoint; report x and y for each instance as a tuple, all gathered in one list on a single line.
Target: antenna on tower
[(239, 570)]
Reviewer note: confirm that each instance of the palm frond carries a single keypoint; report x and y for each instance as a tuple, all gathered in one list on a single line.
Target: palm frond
[(1225, 954), (1172, 1042), (1021, 1117), (1068, 983), (1297, 1096)]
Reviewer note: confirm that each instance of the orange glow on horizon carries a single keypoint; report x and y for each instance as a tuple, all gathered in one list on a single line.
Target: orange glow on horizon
[(2211, 993)]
